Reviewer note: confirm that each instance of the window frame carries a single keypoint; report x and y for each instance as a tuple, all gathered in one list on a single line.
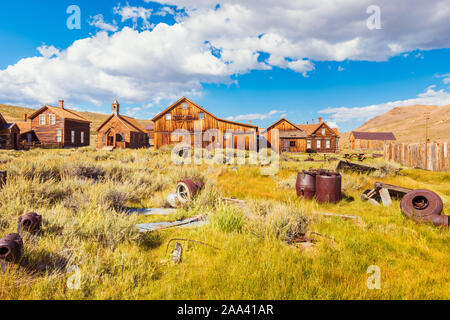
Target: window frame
[(201, 116), (59, 135), (324, 132), (82, 137), (308, 144), (42, 120), (52, 119), (319, 144), (184, 106), (168, 116), (72, 136), (292, 144), (328, 144)]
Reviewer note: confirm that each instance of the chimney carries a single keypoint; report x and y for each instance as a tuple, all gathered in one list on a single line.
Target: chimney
[(320, 120), (61, 104), (25, 117), (312, 121), (250, 121)]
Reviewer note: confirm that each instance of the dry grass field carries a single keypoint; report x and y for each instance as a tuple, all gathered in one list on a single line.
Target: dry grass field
[(83, 195)]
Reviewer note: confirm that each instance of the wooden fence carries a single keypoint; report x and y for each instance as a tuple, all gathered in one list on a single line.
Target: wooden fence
[(414, 155)]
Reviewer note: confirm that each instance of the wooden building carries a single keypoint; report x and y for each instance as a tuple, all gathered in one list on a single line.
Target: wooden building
[(321, 137), (184, 116), (55, 127), (300, 137), (291, 137), (119, 131), (9, 134), (370, 140)]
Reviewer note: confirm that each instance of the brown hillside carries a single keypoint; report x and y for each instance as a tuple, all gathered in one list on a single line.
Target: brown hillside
[(408, 124)]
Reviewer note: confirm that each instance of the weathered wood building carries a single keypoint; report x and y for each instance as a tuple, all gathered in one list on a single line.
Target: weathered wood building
[(290, 137), (374, 141), (150, 129), (301, 137), (119, 131), (9, 134), (321, 137), (55, 127), (184, 116)]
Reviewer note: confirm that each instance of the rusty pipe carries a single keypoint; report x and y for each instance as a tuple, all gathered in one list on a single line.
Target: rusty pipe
[(30, 222), (11, 248), (424, 206)]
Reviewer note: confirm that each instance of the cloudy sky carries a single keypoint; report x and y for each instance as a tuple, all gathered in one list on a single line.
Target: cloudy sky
[(258, 60)]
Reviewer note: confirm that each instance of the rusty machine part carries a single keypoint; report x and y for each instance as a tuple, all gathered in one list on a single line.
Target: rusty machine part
[(306, 184), (328, 187), (346, 165), (30, 222), (11, 248), (424, 206), (187, 189)]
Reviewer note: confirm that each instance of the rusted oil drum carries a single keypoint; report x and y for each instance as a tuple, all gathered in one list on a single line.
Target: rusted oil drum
[(11, 248), (328, 187), (306, 184), (30, 222), (424, 206), (187, 189)]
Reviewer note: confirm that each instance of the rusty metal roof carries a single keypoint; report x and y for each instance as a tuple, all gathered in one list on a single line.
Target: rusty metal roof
[(374, 135)]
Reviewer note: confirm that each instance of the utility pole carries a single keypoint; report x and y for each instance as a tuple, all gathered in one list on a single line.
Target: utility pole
[(427, 117)]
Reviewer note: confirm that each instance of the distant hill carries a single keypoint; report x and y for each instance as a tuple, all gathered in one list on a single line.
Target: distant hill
[(408, 124), (14, 114)]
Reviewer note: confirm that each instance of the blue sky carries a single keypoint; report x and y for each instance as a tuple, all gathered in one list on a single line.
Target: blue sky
[(239, 61)]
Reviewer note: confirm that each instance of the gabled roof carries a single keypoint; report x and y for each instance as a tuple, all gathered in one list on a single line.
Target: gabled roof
[(312, 128), (7, 126), (63, 113), (2, 120), (373, 135), (281, 120), (24, 126), (131, 123), (159, 115)]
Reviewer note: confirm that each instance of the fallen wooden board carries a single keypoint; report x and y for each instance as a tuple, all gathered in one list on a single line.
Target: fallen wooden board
[(346, 165), (196, 221), (385, 197), (152, 211)]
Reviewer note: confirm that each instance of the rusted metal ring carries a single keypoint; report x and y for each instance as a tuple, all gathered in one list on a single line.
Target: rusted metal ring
[(424, 206)]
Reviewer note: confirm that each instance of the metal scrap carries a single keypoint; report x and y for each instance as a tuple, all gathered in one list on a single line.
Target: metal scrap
[(177, 253), (11, 248), (30, 222), (384, 193), (424, 206), (346, 165)]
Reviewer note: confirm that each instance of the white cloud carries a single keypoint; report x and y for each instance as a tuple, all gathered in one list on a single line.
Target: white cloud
[(48, 51), (132, 13), (98, 22), (209, 45), (429, 97), (256, 116)]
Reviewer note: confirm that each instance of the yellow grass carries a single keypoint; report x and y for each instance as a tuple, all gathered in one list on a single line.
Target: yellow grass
[(82, 194)]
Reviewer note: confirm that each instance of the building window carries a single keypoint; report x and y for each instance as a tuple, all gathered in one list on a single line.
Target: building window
[(318, 144), (308, 144), (42, 119), (59, 135), (82, 137), (328, 144), (52, 119), (201, 116), (168, 116), (227, 135), (123, 136), (72, 136), (29, 137), (323, 131), (185, 105), (292, 143)]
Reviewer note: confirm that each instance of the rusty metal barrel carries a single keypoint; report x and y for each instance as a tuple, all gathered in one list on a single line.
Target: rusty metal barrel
[(306, 184), (11, 248), (187, 189), (30, 222), (328, 187)]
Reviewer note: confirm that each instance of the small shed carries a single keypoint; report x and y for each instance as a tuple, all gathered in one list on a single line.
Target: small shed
[(150, 129), (369, 140)]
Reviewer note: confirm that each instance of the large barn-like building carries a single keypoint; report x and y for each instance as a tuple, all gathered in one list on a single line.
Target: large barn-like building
[(9, 134), (183, 115)]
